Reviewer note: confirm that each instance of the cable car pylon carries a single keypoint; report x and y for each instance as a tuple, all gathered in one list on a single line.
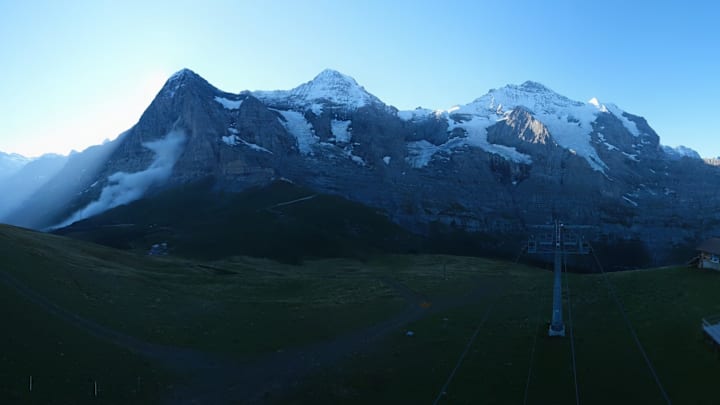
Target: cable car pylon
[(559, 241)]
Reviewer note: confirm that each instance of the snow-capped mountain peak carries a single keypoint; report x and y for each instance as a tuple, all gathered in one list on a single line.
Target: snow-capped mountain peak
[(328, 87), (333, 76), (180, 79), (532, 86), (531, 95), (569, 121), (181, 73)]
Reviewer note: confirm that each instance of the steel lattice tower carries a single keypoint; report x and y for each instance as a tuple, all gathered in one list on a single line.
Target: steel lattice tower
[(559, 242)]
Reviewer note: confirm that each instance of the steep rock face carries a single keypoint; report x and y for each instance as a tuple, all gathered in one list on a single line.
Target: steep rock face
[(432, 128), (258, 125), (217, 127), (519, 155), (520, 127)]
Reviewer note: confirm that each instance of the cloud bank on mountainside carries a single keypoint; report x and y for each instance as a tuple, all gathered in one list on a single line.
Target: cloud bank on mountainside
[(124, 187)]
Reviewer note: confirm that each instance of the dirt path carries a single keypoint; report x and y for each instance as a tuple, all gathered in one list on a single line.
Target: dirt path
[(216, 380), (269, 377), (174, 358)]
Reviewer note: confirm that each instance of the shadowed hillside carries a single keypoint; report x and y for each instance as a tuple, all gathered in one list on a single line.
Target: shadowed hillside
[(243, 329), (281, 221)]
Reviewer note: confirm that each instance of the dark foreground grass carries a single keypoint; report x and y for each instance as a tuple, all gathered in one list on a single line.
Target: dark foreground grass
[(239, 307), (665, 307), (65, 362), (245, 308)]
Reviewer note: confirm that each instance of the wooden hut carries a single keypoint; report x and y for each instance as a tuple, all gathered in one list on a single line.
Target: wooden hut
[(709, 254)]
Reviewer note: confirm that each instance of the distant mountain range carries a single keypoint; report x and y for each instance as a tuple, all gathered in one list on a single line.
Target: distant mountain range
[(11, 163), (21, 178), (519, 155)]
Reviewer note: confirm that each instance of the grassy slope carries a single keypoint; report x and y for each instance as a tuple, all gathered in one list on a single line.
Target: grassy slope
[(239, 307), (245, 307), (199, 222), (64, 361), (664, 305)]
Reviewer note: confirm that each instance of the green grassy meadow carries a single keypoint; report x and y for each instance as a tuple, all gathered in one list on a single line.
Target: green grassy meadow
[(199, 222), (665, 307), (246, 309)]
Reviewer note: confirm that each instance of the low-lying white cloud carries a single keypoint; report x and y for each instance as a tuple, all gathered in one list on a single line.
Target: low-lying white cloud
[(125, 187)]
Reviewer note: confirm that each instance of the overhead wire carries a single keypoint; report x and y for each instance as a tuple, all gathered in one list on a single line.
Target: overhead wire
[(532, 351), (443, 390), (471, 341), (572, 334), (639, 345)]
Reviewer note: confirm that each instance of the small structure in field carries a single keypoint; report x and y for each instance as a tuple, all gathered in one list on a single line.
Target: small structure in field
[(158, 249), (709, 254), (711, 326)]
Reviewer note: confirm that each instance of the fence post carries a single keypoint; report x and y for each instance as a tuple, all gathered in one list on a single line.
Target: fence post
[(30, 383), (95, 389)]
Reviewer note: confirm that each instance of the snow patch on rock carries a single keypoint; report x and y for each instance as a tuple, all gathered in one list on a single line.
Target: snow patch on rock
[(228, 104), (296, 124), (476, 130), (328, 86), (569, 122), (340, 130), (630, 201), (234, 140), (417, 114), (629, 125), (420, 153), (357, 159)]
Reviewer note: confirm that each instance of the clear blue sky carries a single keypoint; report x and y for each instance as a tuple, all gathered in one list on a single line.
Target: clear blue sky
[(77, 72)]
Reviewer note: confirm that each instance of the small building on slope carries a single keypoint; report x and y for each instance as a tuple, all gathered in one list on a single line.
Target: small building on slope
[(709, 254)]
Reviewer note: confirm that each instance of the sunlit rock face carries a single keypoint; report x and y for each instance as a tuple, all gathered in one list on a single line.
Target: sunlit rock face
[(516, 156)]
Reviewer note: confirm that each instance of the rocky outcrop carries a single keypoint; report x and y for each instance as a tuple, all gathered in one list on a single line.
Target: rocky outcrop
[(520, 127), (518, 156)]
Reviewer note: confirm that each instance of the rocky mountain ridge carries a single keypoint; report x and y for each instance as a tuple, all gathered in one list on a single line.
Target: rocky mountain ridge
[(516, 156)]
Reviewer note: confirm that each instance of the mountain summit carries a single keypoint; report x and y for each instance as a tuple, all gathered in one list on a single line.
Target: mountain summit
[(520, 154), (328, 88)]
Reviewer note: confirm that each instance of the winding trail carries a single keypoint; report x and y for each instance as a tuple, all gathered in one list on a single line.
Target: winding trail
[(174, 358), (217, 380)]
